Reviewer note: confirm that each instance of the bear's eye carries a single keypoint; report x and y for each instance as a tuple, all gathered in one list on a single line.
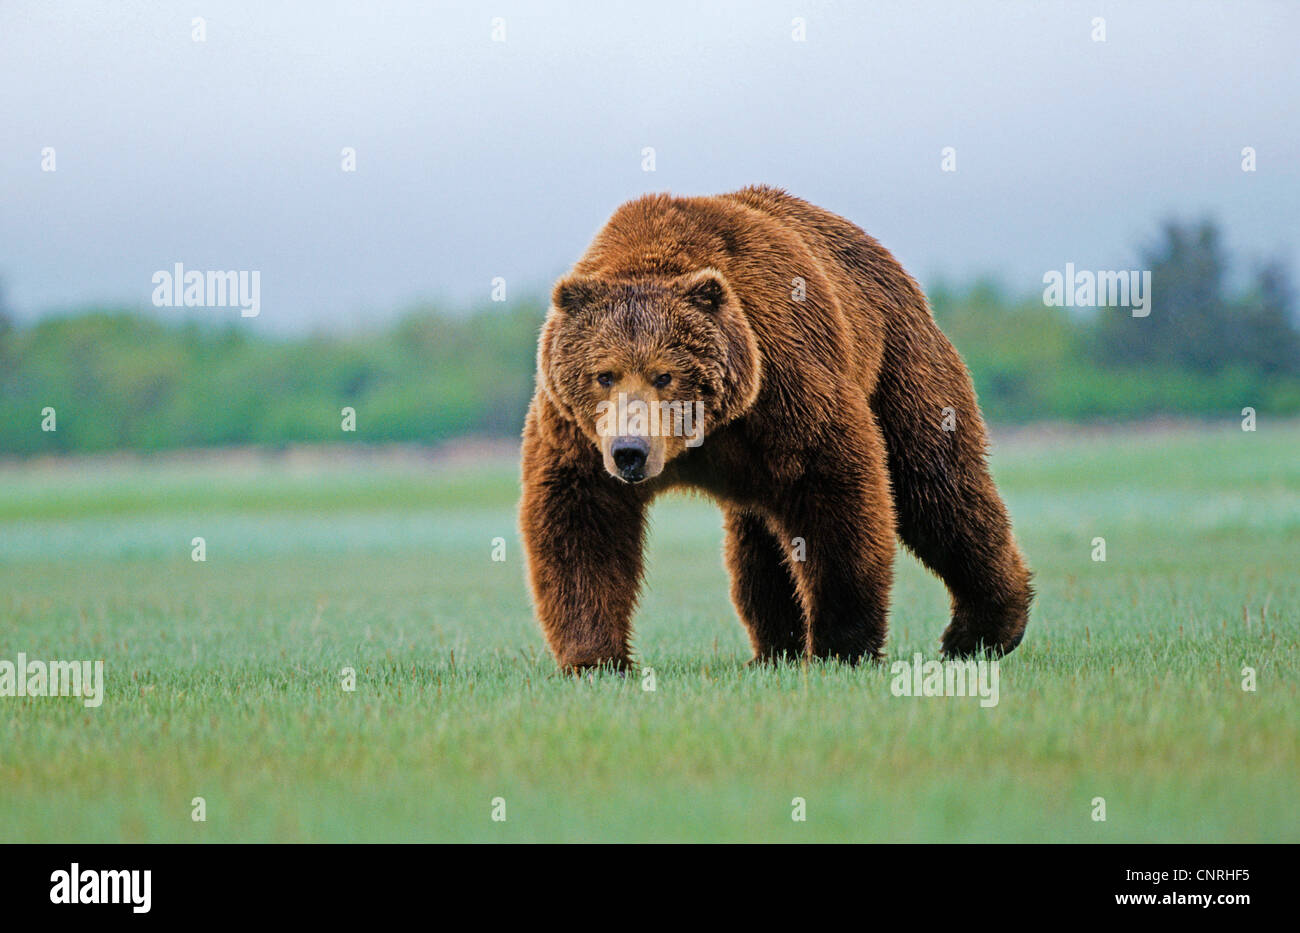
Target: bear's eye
[(605, 379), (662, 380)]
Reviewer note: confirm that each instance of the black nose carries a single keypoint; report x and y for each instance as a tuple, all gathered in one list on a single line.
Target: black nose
[(629, 455)]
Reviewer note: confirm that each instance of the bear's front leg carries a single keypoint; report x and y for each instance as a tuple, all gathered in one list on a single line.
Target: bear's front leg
[(583, 534), (841, 509)]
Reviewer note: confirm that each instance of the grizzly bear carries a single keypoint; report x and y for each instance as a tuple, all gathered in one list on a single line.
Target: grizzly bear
[(800, 382)]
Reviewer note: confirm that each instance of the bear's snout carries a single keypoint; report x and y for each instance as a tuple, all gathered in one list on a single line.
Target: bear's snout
[(629, 455)]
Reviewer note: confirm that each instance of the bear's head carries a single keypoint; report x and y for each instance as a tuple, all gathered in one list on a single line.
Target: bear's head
[(647, 367)]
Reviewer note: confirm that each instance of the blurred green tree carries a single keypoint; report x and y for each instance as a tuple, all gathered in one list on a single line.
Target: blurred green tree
[(123, 380), (1195, 324)]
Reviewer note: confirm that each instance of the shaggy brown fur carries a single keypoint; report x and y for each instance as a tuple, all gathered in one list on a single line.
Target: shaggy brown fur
[(823, 433)]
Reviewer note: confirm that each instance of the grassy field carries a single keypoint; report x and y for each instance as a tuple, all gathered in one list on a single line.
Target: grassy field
[(223, 677)]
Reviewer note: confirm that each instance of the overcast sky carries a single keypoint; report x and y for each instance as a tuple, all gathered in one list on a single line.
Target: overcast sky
[(478, 158)]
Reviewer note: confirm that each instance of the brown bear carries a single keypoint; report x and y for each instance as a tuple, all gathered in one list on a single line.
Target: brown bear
[(800, 381)]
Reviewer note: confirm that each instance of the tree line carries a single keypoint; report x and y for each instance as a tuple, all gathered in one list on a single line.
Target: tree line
[(1218, 339)]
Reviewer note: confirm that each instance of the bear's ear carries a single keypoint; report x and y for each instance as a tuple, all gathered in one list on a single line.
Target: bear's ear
[(705, 289), (575, 292)]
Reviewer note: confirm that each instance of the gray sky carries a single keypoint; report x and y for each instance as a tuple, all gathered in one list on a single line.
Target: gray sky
[(478, 158)]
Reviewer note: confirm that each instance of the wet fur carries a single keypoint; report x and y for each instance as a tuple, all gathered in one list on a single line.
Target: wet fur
[(823, 423)]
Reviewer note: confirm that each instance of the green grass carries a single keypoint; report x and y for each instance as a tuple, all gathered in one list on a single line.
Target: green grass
[(223, 677)]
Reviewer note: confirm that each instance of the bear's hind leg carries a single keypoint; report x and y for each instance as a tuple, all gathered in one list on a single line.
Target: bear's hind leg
[(969, 545), (949, 512), (763, 590)]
